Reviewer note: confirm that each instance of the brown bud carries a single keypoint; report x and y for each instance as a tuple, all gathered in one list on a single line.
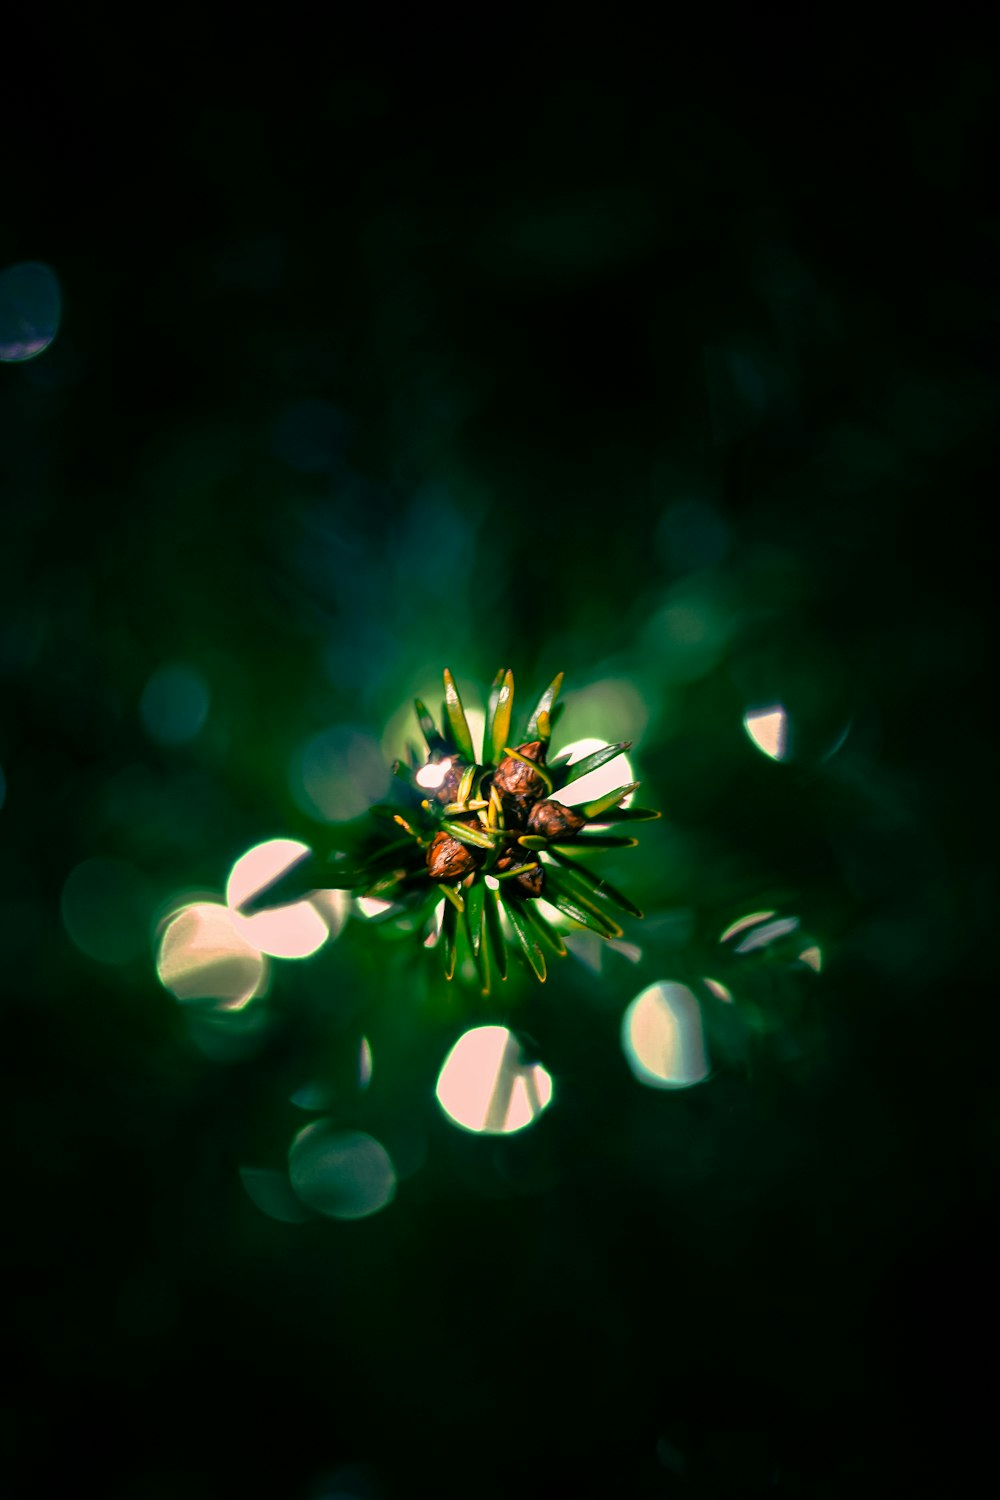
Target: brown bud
[(449, 858), (448, 790), (515, 812), (532, 882), (552, 820), (513, 778)]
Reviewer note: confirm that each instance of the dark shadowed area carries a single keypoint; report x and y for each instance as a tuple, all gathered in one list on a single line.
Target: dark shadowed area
[(332, 360)]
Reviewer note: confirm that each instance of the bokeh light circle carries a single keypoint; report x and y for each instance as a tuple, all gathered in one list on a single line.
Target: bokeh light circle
[(296, 929), (174, 704), (30, 311), (203, 957), (614, 773), (663, 1039), (106, 910), (688, 634), (486, 1086), (337, 774), (768, 729), (344, 1174)]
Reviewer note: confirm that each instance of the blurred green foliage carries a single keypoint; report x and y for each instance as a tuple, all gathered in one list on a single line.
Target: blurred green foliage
[(679, 375)]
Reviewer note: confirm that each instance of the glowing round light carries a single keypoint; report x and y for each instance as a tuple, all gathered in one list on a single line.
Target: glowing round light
[(662, 1037), (431, 776), (688, 634), (610, 700), (174, 704), (612, 774), (294, 930), (30, 311), (344, 1174), (768, 729), (338, 774), (106, 910), (260, 867), (204, 957), (486, 1086)]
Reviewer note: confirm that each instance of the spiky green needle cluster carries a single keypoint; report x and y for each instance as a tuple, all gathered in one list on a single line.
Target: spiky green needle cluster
[(491, 837)]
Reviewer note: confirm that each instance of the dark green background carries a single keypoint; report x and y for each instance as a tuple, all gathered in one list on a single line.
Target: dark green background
[(548, 288)]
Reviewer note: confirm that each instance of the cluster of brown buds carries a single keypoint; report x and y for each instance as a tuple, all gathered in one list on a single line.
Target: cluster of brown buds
[(482, 838), (514, 799), (475, 846)]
